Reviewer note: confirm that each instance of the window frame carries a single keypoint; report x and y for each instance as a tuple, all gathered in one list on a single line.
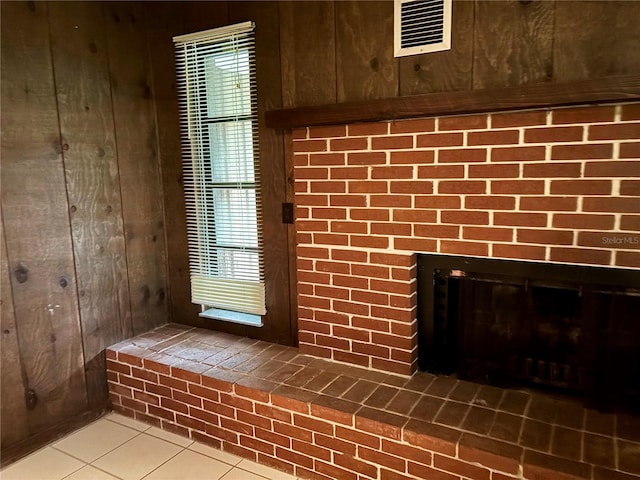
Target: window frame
[(199, 178)]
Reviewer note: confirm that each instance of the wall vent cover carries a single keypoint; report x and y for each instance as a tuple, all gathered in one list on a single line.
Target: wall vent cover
[(421, 26)]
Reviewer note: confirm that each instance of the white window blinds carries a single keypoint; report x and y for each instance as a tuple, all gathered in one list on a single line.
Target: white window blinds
[(219, 128)]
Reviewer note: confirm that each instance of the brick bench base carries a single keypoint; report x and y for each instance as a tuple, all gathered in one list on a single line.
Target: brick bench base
[(312, 418)]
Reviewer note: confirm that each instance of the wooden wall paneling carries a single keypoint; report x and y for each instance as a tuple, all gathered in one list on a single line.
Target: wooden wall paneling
[(619, 88), (140, 180), (513, 43), (80, 59), (273, 168), (287, 77), (200, 16), (446, 71), (595, 39), (13, 409), (307, 46), (36, 220), (296, 54), (164, 21), (366, 67), (292, 240)]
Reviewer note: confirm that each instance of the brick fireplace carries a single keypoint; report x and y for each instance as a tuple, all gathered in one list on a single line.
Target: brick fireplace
[(552, 185), (557, 186)]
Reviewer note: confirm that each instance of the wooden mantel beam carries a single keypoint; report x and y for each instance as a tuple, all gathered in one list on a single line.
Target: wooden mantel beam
[(540, 95)]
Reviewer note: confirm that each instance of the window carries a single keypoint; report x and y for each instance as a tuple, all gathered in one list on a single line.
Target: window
[(219, 126)]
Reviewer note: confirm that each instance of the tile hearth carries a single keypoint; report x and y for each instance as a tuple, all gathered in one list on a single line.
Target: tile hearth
[(526, 426)]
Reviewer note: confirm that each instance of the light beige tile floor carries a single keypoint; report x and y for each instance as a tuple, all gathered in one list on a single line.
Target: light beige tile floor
[(116, 447)]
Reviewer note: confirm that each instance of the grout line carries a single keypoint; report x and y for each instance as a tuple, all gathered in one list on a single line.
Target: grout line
[(102, 470), (139, 433)]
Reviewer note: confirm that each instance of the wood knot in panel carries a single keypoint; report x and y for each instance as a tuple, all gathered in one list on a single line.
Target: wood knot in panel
[(22, 273), (31, 398)]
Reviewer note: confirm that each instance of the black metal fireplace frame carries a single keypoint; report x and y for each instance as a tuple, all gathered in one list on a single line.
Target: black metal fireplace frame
[(437, 341)]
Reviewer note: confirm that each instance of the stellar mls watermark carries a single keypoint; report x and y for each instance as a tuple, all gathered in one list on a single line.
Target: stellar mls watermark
[(621, 240)]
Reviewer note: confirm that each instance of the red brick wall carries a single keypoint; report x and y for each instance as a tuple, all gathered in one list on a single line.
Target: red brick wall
[(303, 438), (557, 186)]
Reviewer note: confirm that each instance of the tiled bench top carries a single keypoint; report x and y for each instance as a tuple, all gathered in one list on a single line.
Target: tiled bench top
[(516, 425)]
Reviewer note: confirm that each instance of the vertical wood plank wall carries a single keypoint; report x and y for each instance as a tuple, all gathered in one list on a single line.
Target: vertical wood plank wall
[(84, 256), (163, 24), (136, 143), (341, 51), (365, 69), (81, 68), (14, 410), (35, 215), (94, 245), (444, 71)]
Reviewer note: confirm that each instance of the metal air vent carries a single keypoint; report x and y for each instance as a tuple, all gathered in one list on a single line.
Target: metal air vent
[(421, 26)]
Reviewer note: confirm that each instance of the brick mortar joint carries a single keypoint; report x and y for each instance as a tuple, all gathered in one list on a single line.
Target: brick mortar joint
[(333, 452), (502, 129), (381, 448), (309, 415)]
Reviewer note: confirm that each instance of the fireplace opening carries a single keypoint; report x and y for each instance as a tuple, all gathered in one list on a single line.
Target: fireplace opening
[(563, 328)]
